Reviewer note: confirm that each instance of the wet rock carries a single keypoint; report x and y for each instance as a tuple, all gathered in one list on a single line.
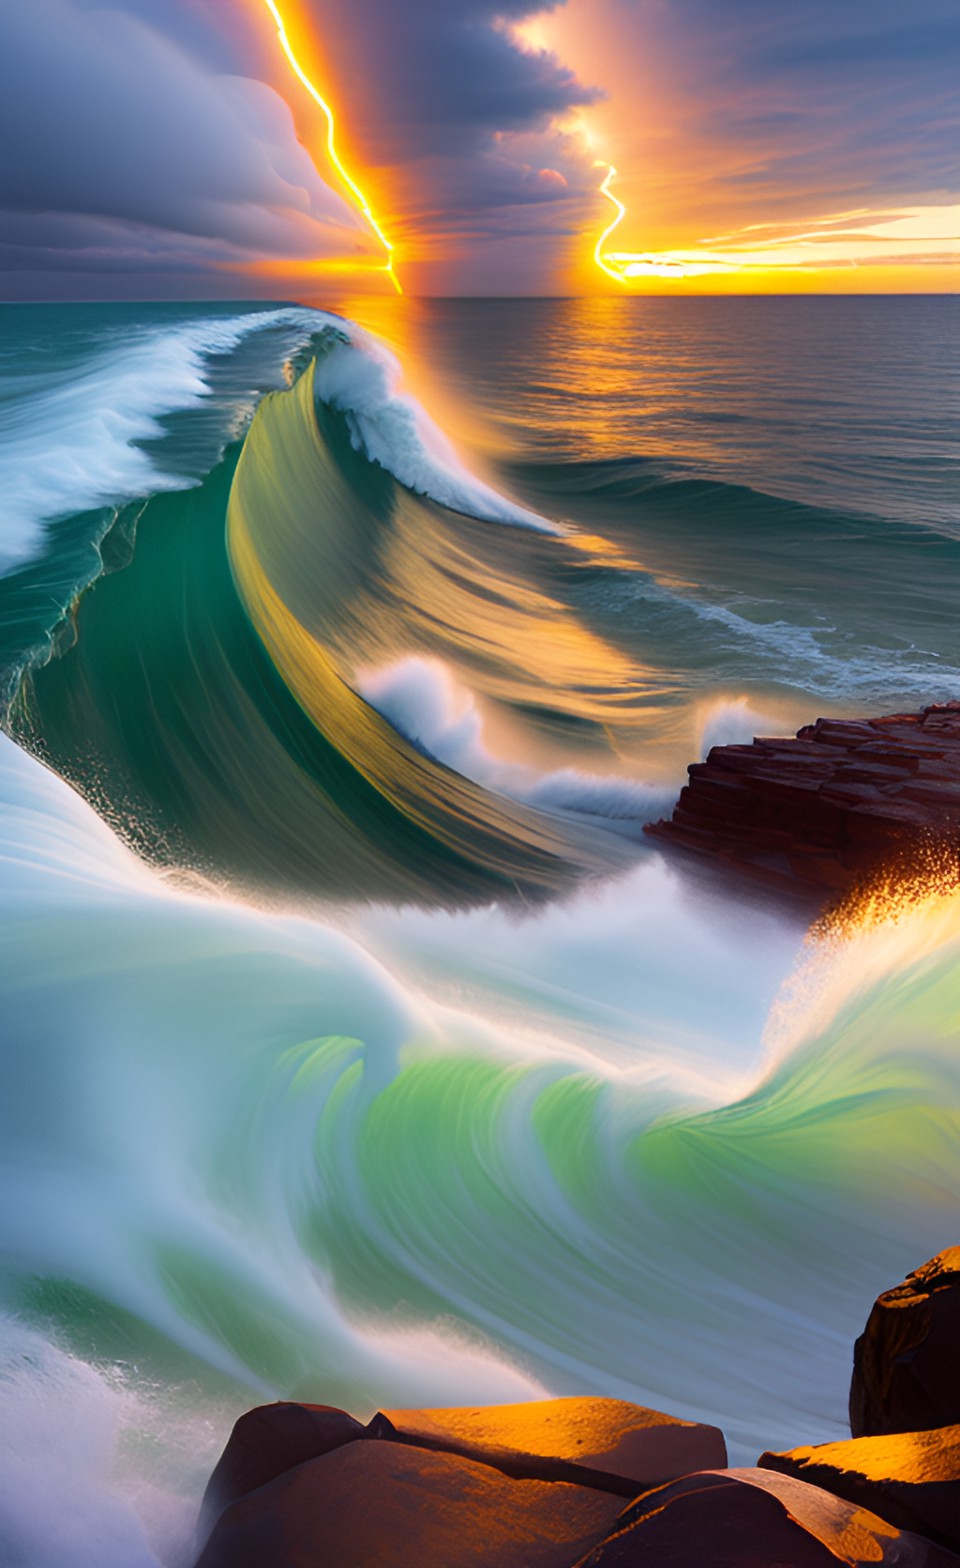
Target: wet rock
[(906, 1363), (912, 1479), (831, 808), (754, 1518), (390, 1505)]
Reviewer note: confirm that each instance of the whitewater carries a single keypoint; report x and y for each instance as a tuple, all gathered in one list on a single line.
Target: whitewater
[(357, 1045)]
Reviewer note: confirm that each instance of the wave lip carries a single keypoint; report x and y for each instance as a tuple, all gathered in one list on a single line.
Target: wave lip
[(360, 378), (425, 704), (75, 444)]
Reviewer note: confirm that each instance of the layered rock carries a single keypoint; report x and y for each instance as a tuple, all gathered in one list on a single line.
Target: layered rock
[(906, 1363), (912, 1479), (832, 807)]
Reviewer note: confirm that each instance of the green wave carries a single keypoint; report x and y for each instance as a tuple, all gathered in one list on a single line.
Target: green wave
[(201, 698)]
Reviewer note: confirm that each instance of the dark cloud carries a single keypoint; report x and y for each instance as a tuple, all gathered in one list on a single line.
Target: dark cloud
[(444, 97), (141, 136), (136, 135), (106, 120), (440, 76)]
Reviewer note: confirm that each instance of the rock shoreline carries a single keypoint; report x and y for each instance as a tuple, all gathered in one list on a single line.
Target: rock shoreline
[(843, 801), (602, 1483)]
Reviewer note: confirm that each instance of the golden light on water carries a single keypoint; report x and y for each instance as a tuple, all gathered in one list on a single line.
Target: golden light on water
[(922, 877), (344, 173)]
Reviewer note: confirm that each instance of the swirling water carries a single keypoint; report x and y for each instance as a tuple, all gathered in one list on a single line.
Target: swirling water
[(357, 1046)]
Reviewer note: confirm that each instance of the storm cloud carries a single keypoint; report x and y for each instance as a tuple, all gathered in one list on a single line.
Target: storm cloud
[(440, 77), (120, 146), (160, 139)]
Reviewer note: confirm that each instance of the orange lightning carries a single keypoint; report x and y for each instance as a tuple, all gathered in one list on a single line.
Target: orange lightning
[(332, 153)]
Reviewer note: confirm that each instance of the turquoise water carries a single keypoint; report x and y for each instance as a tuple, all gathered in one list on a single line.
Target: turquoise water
[(357, 1045)]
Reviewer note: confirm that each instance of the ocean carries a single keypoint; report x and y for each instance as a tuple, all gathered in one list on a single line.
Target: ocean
[(358, 1046)]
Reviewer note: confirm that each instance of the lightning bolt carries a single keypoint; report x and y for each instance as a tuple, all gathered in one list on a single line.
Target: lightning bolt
[(624, 266), (617, 220), (332, 153)]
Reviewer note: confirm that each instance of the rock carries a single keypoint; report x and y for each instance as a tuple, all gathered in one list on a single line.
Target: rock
[(912, 1479), (612, 1436), (606, 1446), (833, 807), (756, 1519), (906, 1363), (264, 1443), (390, 1505)]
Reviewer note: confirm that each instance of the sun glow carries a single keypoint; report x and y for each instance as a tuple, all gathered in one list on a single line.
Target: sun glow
[(779, 255), (624, 266), (332, 153)]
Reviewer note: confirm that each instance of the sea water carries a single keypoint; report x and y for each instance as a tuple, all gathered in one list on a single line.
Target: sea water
[(357, 1045)]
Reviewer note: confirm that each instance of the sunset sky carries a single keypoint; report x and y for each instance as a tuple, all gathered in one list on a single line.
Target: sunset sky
[(157, 148)]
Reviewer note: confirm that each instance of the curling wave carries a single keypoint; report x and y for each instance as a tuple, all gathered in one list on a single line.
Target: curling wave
[(305, 1161), (237, 742)]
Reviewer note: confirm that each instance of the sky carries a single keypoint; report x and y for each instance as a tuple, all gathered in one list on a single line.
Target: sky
[(175, 148)]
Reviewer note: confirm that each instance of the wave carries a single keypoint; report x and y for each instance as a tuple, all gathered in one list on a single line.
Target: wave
[(74, 441), (723, 577), (360, 377), (426, 704), (310, 1177), (391, 1069), (236, 743)]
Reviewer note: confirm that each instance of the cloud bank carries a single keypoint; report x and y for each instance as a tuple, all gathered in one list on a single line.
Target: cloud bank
[(126, 153)]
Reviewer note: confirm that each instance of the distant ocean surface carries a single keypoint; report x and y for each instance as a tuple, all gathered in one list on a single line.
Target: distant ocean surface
[(356, 1044)]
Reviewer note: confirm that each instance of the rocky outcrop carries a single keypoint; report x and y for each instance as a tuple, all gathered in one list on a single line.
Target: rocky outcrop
[(756, 1519), (906, 1363), (831, 808), (381, 1503), (601, 1483), (552, 1469), (265, 1443), (912, 1479)]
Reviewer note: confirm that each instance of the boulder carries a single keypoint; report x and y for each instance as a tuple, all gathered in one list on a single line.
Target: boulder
[(754, 1518), (906, 1363), (605, 1446), (392, 1505), (264, 1443), (912, 1479), (610, 1436)]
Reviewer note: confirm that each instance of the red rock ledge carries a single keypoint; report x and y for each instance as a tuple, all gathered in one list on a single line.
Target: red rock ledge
[(843, 801)]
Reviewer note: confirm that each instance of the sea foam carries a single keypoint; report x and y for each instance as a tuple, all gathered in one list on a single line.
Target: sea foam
[(73, 442), (423, 701), (360, 377)]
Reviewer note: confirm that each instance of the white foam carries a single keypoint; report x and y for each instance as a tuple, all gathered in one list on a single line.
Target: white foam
[(360, 377), (734, 721), (60, 1424), (422, 700), (72, 445)]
